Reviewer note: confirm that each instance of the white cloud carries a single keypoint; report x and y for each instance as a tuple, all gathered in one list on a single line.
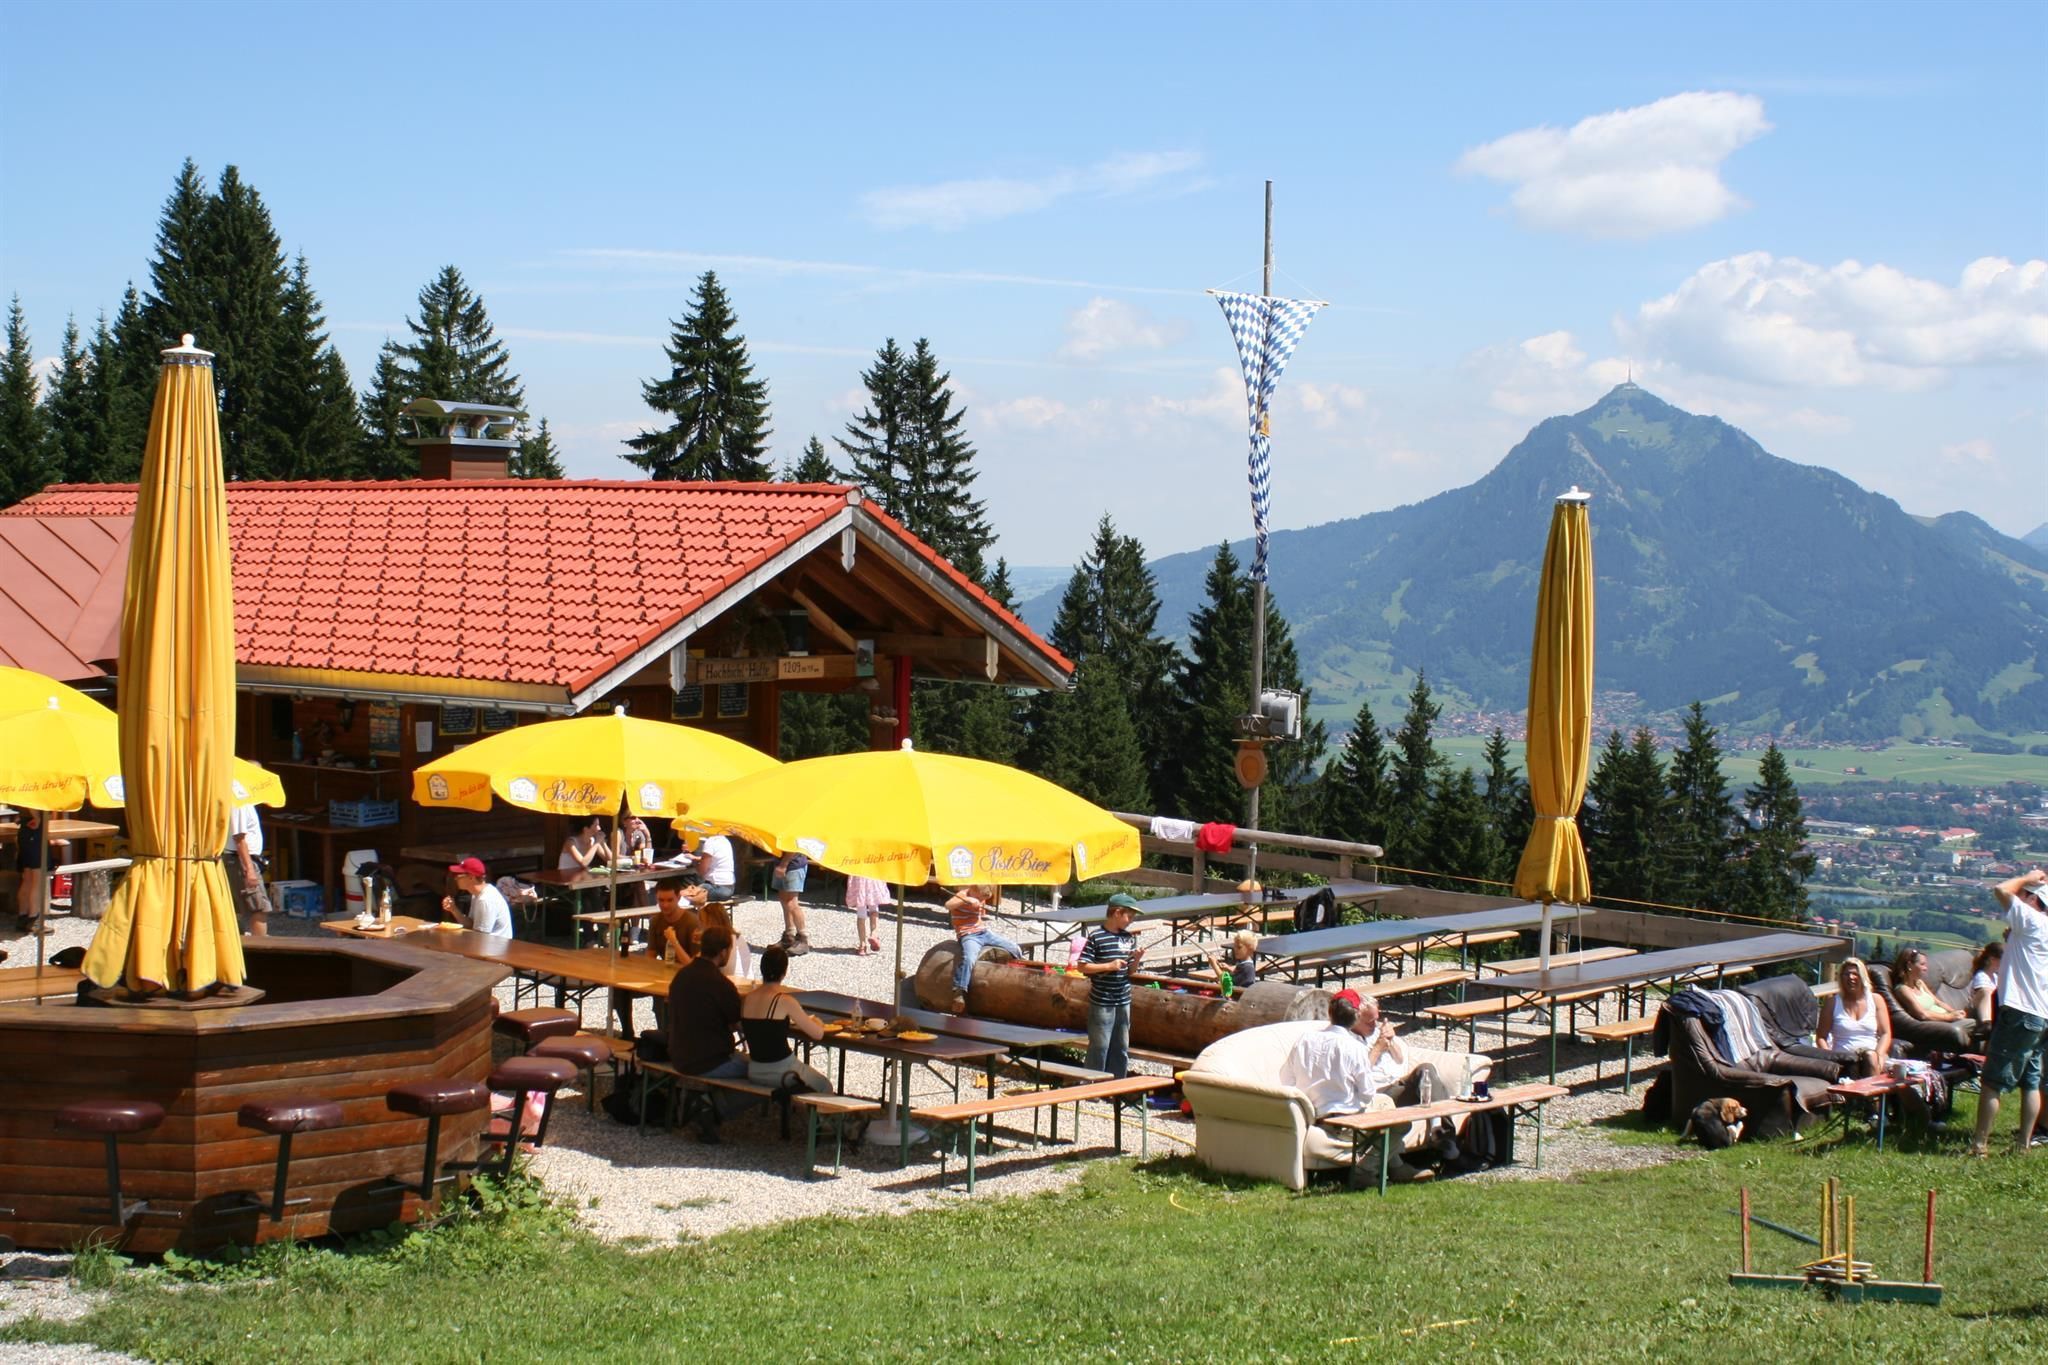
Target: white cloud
[(1977, 452), (1104, 326), (1630, 173), (1542, 376), (1784, 322), (953, 204), (1032, 412), (1328, 406), (854, 273)]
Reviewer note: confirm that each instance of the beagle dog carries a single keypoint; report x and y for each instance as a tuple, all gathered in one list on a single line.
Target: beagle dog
[(1717, 1123)]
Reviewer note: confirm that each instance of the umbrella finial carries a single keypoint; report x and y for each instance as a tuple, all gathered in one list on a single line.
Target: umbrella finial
[(54, 706), (618, 708), (1577, 494), (906, 746), (187, 353)]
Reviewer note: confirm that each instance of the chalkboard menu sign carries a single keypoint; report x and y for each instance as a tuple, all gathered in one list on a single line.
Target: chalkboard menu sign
[(499, 718), (457, 720), (385, 738), (732, 701), (688, 703)]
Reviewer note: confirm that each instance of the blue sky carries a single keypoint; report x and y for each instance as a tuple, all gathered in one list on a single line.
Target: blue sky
[(1825, 223)]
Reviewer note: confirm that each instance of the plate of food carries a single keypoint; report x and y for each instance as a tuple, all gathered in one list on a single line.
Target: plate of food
[(914, 1035)]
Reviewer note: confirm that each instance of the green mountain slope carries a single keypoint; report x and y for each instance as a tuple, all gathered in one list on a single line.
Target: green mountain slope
[(1783, 594)]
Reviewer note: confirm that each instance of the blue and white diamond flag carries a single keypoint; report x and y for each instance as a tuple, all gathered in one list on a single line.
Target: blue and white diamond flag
[(1267, 331)]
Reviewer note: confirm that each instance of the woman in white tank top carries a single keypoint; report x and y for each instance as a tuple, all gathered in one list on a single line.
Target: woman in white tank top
[(1857, 1021)]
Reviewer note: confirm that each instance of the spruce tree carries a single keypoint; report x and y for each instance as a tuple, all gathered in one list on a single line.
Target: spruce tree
[(382, 452), (182, 289), (873, 443), (1774, 860), (24, 440), (1356, 792), (1703, 840), (814, 724), (1211, 687), (125, 360), (1458, 837), (70, 414), (1412, 774), (813, 466), (454, 352), (1288, 799), (1093, 748), (936, 487), (311, 404), (246, 273), (1626, 840), (1507, 804), (537, 456), (720, 410)]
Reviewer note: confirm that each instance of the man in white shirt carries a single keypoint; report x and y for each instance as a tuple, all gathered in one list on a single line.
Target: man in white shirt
[(1343, 1067), (244, 862), (715, 865), (2019, 1035), (488, 913)]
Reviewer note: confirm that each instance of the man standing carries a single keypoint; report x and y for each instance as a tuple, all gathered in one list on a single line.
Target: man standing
[(246, 865), (2019, 1034), (968, 909), (1107, 960), (488, 913), (703, 1019)]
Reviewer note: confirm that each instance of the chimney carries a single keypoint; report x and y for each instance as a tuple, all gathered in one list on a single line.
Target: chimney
[(459, 441)]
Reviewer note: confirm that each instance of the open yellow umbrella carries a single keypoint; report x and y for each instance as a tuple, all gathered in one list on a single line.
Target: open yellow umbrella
[(60, 749), (589, 765), (907, 817), (171, 925), (1553, 866)]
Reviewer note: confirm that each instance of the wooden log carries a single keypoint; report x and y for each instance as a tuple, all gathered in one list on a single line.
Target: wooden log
[(1167, 1021)]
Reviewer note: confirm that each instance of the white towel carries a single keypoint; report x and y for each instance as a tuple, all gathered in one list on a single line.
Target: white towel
[(1174, 831), (1744, 1022)]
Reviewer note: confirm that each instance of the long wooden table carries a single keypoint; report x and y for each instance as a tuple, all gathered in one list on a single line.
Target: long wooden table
[(1024, 1037), (1519, 1101), (902, 1053), (398, 927), (542, 965), (1321, 948)]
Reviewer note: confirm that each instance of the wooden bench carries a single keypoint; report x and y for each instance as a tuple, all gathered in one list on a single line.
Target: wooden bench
[(839, 1109), (695, 1094), (1470, 1012), (970, 1113), (1431, 982), (1048, 1074), (1530, 964), (1518, 1101), (1625, 1032)]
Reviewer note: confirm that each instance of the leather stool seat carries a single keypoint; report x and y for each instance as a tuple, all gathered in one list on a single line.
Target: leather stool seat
[(530, 1026), (281, 1117), (523, 1076), (111, 1116), (585, 1051), (433, 1099)]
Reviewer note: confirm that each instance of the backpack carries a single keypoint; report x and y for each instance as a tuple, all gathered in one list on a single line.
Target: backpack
[(1316, 911)]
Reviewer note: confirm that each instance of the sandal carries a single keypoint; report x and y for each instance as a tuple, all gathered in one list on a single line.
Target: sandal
[(1979, 1151)]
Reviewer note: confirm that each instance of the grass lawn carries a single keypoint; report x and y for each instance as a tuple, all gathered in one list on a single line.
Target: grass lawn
[(1163, 1262)]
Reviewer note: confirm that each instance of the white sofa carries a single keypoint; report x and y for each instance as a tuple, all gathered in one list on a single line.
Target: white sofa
[(1247, 1123)]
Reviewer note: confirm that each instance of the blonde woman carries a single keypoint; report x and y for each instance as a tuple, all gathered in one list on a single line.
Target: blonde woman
[(1856, 1021)]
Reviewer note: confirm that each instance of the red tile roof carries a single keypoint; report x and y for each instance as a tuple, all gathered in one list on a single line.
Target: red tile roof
[(61, 579), (548, 583)]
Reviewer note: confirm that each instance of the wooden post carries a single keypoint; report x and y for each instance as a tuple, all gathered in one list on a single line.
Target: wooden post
[(1849, 1239), (1927, 1265), (1745, 1229)]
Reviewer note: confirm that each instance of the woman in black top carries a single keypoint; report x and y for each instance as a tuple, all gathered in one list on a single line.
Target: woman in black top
[(768, 1015)]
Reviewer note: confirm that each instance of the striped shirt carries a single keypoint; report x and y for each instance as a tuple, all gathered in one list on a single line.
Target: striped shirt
[(1104, 945)]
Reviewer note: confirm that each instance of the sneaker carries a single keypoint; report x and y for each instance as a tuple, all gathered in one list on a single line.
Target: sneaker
[(786, 939), (798, 946), (957, 1005)]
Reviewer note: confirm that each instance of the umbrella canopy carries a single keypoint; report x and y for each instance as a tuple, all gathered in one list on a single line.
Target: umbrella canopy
[(60, 749), (1553, 866), (171, 924), (587, 765), (903, 816)]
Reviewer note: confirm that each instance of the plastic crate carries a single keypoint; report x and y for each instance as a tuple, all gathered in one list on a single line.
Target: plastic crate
[(362, 814), (299, 899)]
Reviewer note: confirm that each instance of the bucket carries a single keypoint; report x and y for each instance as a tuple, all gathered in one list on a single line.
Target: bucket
[(352, 865)]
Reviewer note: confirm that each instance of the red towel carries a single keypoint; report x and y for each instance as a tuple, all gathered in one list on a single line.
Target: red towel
[(1215, 837)]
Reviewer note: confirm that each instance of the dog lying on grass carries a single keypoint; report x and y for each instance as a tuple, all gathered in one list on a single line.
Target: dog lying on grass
[(1716, 1123)]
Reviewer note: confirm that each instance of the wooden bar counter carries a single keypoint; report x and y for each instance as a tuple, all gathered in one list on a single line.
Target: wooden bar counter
[(340, 1021)]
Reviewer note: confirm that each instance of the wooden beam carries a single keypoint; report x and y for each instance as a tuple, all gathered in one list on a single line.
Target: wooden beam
[(978, 650), (830, 628)]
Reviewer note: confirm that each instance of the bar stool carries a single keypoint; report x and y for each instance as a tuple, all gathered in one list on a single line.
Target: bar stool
[(433, 1101), (285, 1118), (110, 1119), (530, 1026), (523, 1076), (584, 1051)]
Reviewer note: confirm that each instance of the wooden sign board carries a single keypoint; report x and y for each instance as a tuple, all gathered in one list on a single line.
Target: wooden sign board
[(793, 668), (386, 739), (457, 720)]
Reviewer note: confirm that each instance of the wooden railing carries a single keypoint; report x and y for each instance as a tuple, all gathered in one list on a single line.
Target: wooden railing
[(1331, 859)]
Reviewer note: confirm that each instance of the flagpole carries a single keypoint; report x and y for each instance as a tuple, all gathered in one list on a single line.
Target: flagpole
[(1251, 800)]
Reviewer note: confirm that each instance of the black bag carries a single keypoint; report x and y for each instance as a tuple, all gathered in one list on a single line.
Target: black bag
[(1316, 911), (652, 1045), (623, 1104)]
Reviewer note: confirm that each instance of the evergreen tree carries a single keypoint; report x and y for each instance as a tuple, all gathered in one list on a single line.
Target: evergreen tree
[(24, 440), (1412, 774), (382, 453), (813, 466), (938, 478), (1092, 746), (1507, 805), (814, 724), (182, 290), (1628, 822), (720, 409), (1357, 794), (1458, 836), (311, 402), (70, 414), (452, 353), (1211, 687), (537, 457), (874, 441), (124, 368), (1289, 798), (1703, 841), (1775, 863), (244, 269)]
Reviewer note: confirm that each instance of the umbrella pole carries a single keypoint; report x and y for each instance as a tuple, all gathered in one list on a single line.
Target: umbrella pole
[(41, 923), (901, 891), (611, 867)]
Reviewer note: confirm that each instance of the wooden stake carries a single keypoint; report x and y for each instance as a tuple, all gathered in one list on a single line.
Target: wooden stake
[(1849, 1246), (1745, 1234), (1927, 1265)]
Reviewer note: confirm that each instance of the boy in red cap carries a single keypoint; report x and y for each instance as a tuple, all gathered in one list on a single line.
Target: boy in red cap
[(488, 913)]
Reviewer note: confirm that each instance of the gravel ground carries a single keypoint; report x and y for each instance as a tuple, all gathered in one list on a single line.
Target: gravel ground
[(660, 1187), (36, 1285)]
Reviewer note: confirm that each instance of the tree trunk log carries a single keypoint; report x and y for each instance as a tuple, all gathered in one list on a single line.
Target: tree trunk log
[(1162, 1020)]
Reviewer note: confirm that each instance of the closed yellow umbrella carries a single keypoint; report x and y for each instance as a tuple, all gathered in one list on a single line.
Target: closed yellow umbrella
[(171, 925), (1553, 866), (60, 749)]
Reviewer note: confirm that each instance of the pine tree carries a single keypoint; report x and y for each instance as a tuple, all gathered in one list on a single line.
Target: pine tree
[(720, 409), (1458, 836), (1629, 826), (1775, 863), (1357, 795), (245, 270), (873, 443), (1211, 687), (182, 290), (937, 484), (24, 440), (311, 403), (1093, 749), (125, 361), (70, 415), (1412, 773), (1288, 799), (382, 453), (1507, 805), (1703, 840), (452, 353), (813, 466), (537, 457), (814, 724)]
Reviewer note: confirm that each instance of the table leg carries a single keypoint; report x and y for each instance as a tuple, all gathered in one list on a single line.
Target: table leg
[(811, 1143), (1628, 1057), (1553, 1041), (1883, 1103), (1539, 1135), (903, 1124), (1386, 1157)]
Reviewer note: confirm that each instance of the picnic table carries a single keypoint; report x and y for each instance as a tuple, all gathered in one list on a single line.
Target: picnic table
[(1195, 907), (537, 965), (1520, 1101), (1320, 947), (900, 1054), (1024, 1037), (398, 925)]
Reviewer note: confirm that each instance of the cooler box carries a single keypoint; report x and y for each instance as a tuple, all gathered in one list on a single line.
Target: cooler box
[(352, 864), (299, 899)]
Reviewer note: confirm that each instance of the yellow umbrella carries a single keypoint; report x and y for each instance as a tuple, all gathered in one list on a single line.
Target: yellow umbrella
[(1553, 866), (172, 921), (905, 817), (589, 765), (60, 749)]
